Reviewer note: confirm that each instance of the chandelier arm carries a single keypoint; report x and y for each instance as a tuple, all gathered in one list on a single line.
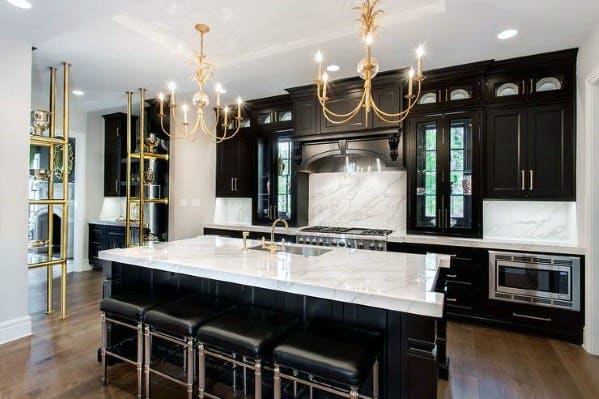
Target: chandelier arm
[(411, 103), (185, 135), (350, 114)]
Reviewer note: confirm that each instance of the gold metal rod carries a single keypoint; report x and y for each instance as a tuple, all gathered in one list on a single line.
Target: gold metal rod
[(65, 189), (47, 202), (52, 102), (45, 264), (128, 187), (142, 133), (40, 140)]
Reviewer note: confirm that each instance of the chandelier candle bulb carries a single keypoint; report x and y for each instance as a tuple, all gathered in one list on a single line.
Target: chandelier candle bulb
[(325, 80), (410, 82), (161, 98), (319, 61), (420, 56), (239, 101), (185, 120)]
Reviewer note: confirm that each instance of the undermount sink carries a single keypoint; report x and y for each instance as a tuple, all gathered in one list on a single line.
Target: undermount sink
[(296, 250)]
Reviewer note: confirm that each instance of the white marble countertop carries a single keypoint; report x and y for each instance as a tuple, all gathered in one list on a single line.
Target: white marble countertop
[(509, 245), (251, 227), (388, 280)]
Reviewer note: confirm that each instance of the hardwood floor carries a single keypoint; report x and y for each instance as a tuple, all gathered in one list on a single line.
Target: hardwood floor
[(59, 360)]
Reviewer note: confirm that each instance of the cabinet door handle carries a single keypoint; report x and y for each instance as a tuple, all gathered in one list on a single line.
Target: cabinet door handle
[(523, 87), (117, 132), (451, 300), (446, 94), (525, 316), (523, 177), (446, 218), (452, 275), (532, 179), (232, 184), (439, 217), (116, 186), (532, 83), (236, 189)]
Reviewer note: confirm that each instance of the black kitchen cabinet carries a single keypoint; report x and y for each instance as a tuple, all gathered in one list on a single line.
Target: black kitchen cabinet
[(342, 102), (275, 179), (444, 174), (447, 94), (235, 166), (115, 150), (530, 152), (305, 122), (105, 236), (254, 235)]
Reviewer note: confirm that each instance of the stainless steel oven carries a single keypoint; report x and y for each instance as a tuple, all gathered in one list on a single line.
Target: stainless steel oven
[(543, 280)]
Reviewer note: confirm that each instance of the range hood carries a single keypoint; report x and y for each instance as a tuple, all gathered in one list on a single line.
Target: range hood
[(369, 154)]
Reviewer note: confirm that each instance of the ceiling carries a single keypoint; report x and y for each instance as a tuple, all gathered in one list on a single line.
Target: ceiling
[(261, 47)]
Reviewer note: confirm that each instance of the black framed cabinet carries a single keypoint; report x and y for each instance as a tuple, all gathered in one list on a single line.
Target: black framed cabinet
[(444, 174), (235, 166), (530, 152), (115, 152)]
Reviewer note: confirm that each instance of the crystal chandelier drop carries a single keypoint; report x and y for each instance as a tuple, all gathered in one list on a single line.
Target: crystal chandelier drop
[(221, 130), (368, 67)]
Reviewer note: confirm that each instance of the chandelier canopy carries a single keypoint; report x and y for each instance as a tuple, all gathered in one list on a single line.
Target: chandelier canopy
[(368, 68), (221, 130)]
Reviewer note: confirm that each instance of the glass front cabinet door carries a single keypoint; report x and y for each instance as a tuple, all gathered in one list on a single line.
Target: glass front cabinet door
[(443, 174), (274, 179)]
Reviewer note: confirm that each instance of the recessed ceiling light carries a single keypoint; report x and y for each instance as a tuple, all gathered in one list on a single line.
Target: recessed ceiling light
[(333, 68), (78, 92), (20, 3), (507, 34)]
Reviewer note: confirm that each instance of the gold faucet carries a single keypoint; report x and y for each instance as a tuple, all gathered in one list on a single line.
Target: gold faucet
[(272, 245)]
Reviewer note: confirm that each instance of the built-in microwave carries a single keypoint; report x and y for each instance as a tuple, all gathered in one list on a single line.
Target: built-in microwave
[(543, 280)]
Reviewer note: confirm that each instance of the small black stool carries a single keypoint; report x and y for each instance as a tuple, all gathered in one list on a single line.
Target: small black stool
[(127, 309), (177, 322), (328, 351), (248, 331)]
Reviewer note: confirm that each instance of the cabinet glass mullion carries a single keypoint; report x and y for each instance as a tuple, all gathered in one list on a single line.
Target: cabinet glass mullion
[(427, 158), (460, 174)]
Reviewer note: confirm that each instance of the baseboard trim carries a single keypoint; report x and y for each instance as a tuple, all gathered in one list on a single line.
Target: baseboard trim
[(85, 266), (11, 330)]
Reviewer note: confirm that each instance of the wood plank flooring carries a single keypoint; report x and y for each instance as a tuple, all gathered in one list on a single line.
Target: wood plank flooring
[(59, 360)]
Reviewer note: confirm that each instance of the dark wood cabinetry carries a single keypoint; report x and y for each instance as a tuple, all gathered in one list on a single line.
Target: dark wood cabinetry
[(106, 236), (235, 166), (530, 152), (444, 174), (115, 151)]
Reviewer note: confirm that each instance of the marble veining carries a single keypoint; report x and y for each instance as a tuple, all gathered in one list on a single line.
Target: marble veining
[(369, 199), (530, 220), (388, 280), (233, 210)]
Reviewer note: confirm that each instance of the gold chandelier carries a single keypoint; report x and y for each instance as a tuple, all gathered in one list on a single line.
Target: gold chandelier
[(368, 67), (204, 72)]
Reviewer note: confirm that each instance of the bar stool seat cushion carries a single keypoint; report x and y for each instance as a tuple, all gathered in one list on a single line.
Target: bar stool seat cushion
[(184, 316), (339, 353), (247, 330), (132, 304)]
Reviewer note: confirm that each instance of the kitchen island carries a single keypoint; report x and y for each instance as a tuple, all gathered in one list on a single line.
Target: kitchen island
[(394, 293)]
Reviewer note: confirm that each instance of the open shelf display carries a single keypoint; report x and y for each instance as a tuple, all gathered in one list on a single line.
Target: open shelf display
[(147, 176), (49, 191)]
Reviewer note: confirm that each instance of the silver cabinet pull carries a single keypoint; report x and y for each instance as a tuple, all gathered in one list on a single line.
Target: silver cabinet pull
[(232, 184), (525, 316), (523, 178), (446, 218), (532, 83), (452, 275), (236, 189), (116, 186), (440, 221), (117, 132), (523, 87), (451, 300), (532, 179)]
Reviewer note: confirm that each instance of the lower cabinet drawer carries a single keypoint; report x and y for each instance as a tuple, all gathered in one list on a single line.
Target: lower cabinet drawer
[(459, 300)]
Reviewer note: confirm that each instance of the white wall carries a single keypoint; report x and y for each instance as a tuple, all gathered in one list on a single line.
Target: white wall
[(587, 177), (15, 80), (192, 181)]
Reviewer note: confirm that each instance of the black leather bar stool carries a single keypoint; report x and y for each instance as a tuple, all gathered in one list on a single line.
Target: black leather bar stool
[(127, 309), (177, 322), (333, 356), (249, 332)]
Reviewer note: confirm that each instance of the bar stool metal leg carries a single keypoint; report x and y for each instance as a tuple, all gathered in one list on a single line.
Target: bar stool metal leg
[(201, 371), (245, 378), (103, 350), (147, 359), (277, 382), (234, 374), (189, 348), (375, 379), (258, 379), (353, 393), (140, 357)]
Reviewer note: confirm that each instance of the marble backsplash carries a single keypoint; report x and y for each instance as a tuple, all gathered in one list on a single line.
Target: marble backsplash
[(546, 221), (371, 199), (233, 210)]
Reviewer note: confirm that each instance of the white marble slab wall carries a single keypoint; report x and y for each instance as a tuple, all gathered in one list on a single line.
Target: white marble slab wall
[(369, 199), (233, 210), (113, 208), (545, 221)]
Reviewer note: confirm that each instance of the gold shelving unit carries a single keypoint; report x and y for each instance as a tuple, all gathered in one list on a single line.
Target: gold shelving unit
[(51, 259), (142, 155)]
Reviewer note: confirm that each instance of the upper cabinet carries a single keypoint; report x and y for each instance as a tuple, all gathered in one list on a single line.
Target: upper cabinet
[(115, 152), (449, 93), (235, 166), (530, 152)]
